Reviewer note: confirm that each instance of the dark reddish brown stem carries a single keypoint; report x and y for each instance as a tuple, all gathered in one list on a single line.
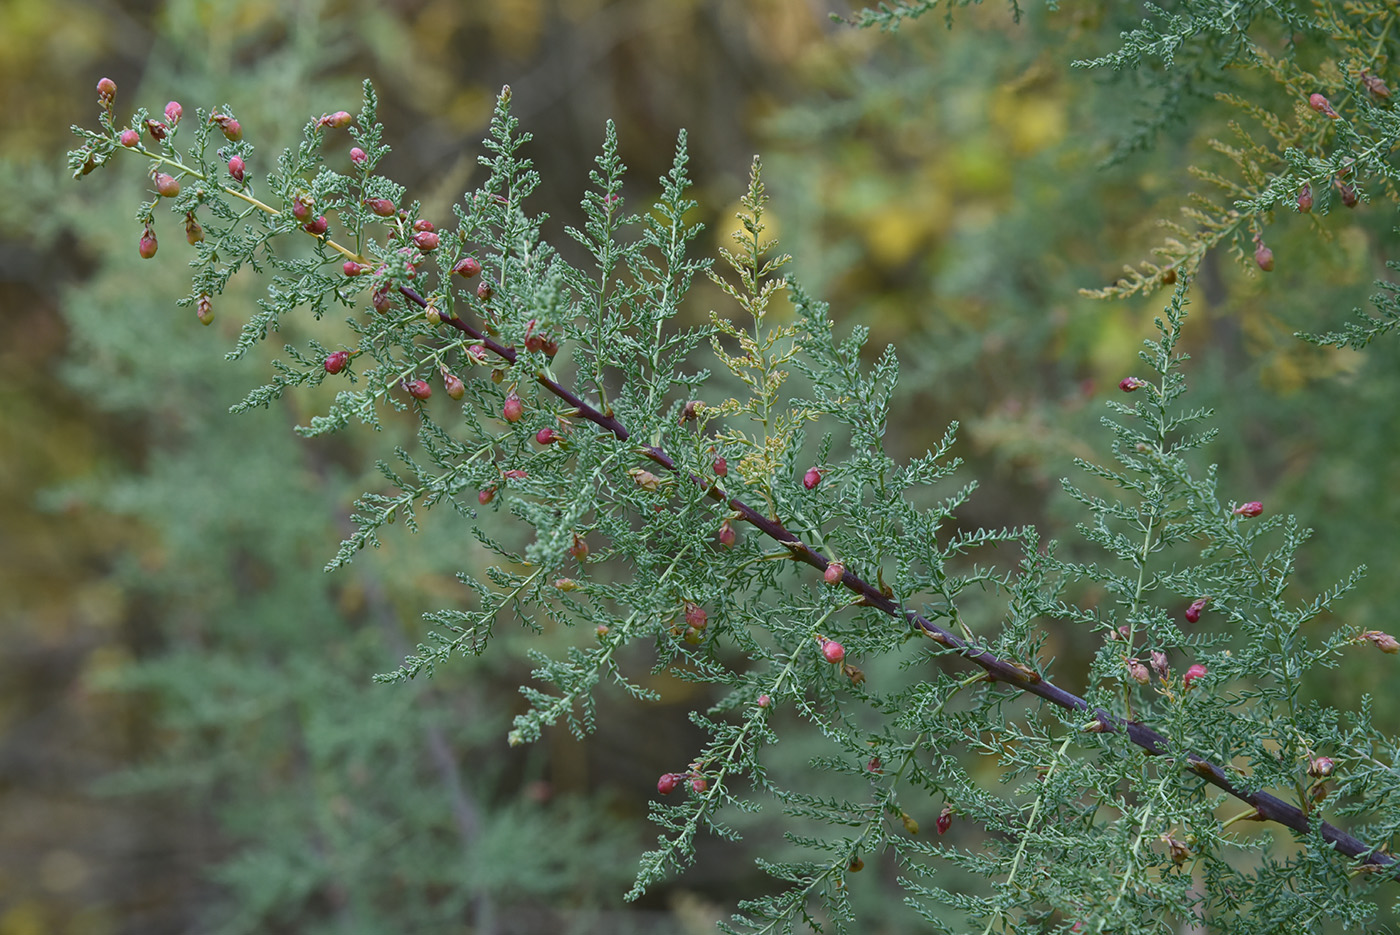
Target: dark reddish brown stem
[(1268, 806)]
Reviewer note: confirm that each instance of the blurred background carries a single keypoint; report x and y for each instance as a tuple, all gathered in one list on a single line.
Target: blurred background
[(189, 736)]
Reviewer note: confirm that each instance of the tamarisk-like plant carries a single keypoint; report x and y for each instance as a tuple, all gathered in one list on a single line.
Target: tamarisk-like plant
[(723, 542)]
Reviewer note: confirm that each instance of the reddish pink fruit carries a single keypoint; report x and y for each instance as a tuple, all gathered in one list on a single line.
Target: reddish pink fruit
[(833, 651), (418, 389), (235, 168), (166, 185), (873, 765), (351, 268), (456, 389), (1321, 767), (944, 820), (467, 267), (1250, 509), (1194, 672), (579, 550), (546, 436), (318, 226), (301, 210), (667, 783), (699, 784), (721, 467), (147, 245), (106, 91), (764, 701), (1264, 257), (232, 130), (358, 156), (1305, 199), (1347, 193), (484, 292), (515, 474), (427, 241), (130, 137), (835, 571), (478, 351), (1137, 671), (1320, 104), (513, 408), (156, 129), (338, 120), (173, 111), (534, 341), (193, 232), (485, 495), (381, 301), (336, 362), (1128, 384), (726, 535), (1193, 613), (381, 206), (695, 615), (812, 478), (422, 224)]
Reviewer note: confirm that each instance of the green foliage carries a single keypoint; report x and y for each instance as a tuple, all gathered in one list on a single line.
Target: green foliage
[(853, 576)]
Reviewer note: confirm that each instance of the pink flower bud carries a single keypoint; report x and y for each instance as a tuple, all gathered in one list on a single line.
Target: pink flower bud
[(106, 91), (485, 495), (235, 168), (1193, 613), (422, 224), (1250, 509), (301, 210), (193, 232), (418, 389), (317, 227), (944, 820), (147, 245), (338, 120), (515, 474), (1347, 193), (467, 267), (156, 129), (1128, 384), (812, 478), (427, 241), (513, 408), (834, 572), (173, 110), (351, 268), (232, 130), (1194, 672), (130, 137), (1305, 199), (484, 292), (358, 156), (381, 206), (336, 362), (478, 351), (381, 300), (546, 436), (695, 616), (873, 765), (721, 467), (667, 783), (699, 784), (166, 185), (764, 701), (833, 651), (1138, 671), (1383, 641)]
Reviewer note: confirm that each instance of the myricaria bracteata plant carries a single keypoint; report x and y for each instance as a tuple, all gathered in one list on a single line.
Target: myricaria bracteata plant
[(749, 531)]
